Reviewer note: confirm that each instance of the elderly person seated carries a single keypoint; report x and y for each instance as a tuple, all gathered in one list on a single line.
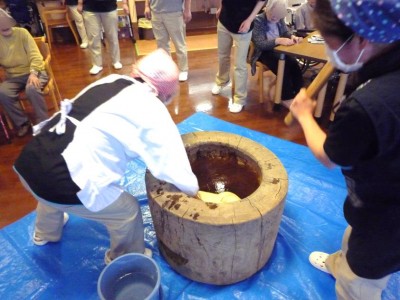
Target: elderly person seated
[(270, 31), (24, 68)]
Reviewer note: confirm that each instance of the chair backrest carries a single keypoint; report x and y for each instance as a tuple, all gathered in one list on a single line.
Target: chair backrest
[(43, 48), (51, 86), (53, 15)]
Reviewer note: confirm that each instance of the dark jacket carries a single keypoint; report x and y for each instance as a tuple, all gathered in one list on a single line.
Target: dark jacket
[(259, 38), (372, 207)]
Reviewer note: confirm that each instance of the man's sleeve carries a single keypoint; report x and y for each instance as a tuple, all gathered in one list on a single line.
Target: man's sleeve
[(159, 144)]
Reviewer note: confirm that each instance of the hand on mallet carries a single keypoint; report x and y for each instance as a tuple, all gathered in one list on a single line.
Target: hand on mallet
[(302, 106), (314, 88)]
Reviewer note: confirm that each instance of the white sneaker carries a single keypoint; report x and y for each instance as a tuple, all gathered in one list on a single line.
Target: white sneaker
[(183, 76), (83, 45), (40, 242), (235, 108), (217, 89), (317, 259), (117, 65), (95, 70), (107, 258)]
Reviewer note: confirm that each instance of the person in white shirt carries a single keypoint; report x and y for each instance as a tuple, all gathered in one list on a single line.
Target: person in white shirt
[(77, 158)]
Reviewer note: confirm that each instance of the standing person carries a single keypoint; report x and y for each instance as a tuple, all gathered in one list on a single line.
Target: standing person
[(99, 15), (76, 162), (24, 70), (72, 6), (270, 31), (303, 16), (235, 23), (363, 140), (169, 19)]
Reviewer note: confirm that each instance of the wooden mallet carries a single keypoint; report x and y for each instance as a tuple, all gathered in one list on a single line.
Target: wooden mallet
[(314, 87)]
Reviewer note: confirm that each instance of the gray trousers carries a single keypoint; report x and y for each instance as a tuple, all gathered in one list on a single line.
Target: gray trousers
[(9, 93), (225, 41), (123, 220), (168, 26)]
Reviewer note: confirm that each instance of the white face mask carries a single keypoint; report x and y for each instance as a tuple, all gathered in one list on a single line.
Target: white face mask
[(339, 64)]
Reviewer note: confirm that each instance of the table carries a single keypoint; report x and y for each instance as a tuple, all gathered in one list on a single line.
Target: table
[(314, 52)]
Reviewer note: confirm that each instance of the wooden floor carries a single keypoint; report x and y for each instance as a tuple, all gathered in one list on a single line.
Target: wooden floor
[(71, 67)]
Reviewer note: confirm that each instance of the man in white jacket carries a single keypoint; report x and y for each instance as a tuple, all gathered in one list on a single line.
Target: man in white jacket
[(77, 158)]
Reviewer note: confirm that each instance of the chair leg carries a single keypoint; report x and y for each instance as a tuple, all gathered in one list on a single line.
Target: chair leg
[(54, 99), (57, 95), (261, 85), (71, 26), (6, 129), (9, 122), (49, 36)]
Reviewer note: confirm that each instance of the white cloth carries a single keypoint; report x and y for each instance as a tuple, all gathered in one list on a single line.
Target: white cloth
[(132, 124)]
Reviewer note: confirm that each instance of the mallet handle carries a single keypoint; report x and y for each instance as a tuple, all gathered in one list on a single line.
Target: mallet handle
[(315, 86)]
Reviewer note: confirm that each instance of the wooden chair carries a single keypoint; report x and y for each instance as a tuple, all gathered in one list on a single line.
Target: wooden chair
[(261, 69), (56, 17), (51, 87)]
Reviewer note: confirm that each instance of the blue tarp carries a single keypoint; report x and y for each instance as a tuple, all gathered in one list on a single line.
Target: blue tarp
[(312, 220)]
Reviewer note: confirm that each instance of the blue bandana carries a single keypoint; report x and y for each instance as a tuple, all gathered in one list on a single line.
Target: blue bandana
[(376, 20)]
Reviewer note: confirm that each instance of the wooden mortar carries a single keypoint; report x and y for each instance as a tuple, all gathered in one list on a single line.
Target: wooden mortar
[(220, 243)]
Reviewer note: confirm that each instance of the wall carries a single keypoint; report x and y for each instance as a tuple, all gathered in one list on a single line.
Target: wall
[(204, 5)]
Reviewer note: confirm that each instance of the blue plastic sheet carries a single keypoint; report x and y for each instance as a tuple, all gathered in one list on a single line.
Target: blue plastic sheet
[(312, 220)]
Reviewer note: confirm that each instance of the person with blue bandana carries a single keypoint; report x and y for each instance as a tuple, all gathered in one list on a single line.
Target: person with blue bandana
[(362, 36)]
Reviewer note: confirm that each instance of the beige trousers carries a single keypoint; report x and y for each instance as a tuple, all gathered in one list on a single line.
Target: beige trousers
[(123, 220), (80, 25), (348, 285), (168, 26), (95, 23), (225, 42)]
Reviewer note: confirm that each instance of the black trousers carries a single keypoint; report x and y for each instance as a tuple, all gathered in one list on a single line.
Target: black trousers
[(293, 78)]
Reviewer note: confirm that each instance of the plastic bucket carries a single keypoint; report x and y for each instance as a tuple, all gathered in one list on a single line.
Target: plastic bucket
[(131, 276)]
